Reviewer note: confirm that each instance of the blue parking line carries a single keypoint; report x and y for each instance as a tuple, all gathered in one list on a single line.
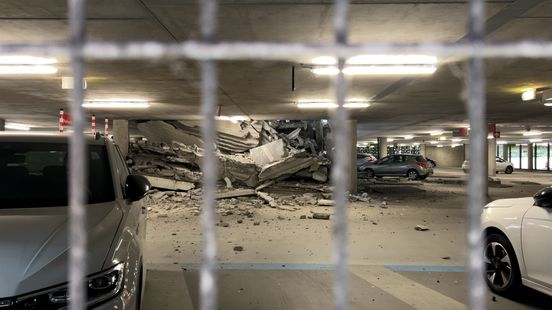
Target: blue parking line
[(414, 268), (261, 266)]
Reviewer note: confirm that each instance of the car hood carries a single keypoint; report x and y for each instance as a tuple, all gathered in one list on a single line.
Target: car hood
[(34, 246), (524, 202)]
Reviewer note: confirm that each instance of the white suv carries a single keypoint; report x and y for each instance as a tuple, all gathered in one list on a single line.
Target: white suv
[(34, 225)]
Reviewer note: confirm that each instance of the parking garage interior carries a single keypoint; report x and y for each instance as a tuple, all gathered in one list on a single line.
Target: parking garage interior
[(275, 210)]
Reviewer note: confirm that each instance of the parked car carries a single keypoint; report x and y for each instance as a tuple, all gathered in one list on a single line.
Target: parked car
[(414, 167), (517, 247), (363, 159), (34, 224), (431, 162), (501, 166)]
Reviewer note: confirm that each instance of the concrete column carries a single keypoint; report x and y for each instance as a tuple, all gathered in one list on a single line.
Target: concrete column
[(422, 149), (382, 146), (530, 156), (2, 125), (353, 178), (466, 151), (505, 152), (120, 135), (491, 163)]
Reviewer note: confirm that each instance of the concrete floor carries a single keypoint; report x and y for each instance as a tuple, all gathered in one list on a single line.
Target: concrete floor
[(286, 261)]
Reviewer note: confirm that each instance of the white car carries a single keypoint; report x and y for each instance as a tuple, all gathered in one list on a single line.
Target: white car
[(518, 248), (34, 225), (501, 166)]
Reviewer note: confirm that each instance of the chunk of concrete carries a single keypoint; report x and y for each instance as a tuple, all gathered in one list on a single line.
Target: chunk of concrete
[(236, 193), (287, 166), (169, 184), (268, 153)]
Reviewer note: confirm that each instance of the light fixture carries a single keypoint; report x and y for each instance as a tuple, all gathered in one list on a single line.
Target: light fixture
[(454, 145), (442, 138), (535, 140), (433, 142), (329, 104), (26, 60), (393, 60), (390, 70), (27, 69), (232, 118), (456, 140), (436, 133), (529, 94), (390, 139), (502, 142), (324, 60), (490, 136), (415, 144), (532, 133), (116, 104), (409, 137), (548, 104), (325, 70), (16, 126), (440, 145)]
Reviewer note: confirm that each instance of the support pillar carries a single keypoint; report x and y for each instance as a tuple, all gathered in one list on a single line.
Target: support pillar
[(423, 149), (466, 151), (382, 146), (120, 135), (2, 124), (491, 162), (530, 156), (353, 178), (505, 152)]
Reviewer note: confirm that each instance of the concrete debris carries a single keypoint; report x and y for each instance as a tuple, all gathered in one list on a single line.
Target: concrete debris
[(168, 184), (321, 216), (235, 193), (238, 248), (326, 202), (268, 153), (228, 183), (421, 228)]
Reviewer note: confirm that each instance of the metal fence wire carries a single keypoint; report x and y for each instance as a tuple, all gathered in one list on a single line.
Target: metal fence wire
[(208, 50)]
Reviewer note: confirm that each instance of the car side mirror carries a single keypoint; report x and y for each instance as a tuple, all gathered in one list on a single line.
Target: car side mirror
[(543, 198), (136, 187)]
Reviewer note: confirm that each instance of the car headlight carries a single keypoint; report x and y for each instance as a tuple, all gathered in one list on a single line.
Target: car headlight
[(100, 287)]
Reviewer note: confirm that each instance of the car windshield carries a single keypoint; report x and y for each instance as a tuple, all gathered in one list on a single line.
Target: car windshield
[(35, 175)]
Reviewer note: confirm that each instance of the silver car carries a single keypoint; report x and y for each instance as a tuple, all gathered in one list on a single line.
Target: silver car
[(34, 225), (414, 167)]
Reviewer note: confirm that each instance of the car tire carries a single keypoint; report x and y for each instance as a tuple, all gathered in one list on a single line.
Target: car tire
[(370, 173), (509, 170), (412, 174), (501, 266)]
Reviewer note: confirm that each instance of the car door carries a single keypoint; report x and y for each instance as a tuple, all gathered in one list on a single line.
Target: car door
[(383, 166), (399, 165), (500, 164), (536, 234)]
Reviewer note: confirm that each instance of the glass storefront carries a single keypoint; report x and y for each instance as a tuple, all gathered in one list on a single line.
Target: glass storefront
[(518, 155)]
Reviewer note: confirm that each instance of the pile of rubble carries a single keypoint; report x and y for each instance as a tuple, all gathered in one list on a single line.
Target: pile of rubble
[(251, 156)]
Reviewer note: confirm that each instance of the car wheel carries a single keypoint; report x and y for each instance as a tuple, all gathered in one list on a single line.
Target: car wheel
[(412, 174), (370, 173), (502, 271), (509, 170)]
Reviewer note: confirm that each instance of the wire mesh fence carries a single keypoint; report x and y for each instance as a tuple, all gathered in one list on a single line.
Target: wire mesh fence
[(208, 51)]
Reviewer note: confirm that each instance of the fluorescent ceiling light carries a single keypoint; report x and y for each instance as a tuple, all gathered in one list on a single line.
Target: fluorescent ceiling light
[(409, 137), (378, 70), (535, 140), (27, 69), (233, 118), (436, 133), (502, 142), (529, 94), (548, 104), (116, 104), (26, 60), (532, 133), (325, 71), (440, 145), (392, 60), (416, 144), (390, 139), (433, 142), (442, 138), (390, 70), (454, 145), (324, 60), (456, 140), (15, 126), (328, 104)]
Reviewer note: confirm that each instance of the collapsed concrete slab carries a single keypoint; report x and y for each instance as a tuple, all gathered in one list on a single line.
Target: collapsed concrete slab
[(287, 166)]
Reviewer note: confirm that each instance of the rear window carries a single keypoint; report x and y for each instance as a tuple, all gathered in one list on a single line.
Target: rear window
[(35, 175)]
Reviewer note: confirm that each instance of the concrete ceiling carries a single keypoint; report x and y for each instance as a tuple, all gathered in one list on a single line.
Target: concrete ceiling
[(262, 90)]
